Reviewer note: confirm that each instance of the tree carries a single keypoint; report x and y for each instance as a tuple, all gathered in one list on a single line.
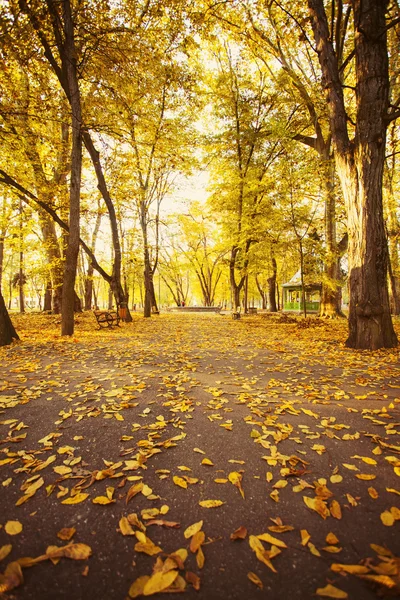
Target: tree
[(7, 330), (359, 164)]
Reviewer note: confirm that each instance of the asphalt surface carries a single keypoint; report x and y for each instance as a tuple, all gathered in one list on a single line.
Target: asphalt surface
[(285, 409)]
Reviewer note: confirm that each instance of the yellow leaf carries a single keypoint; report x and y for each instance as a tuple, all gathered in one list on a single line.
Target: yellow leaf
[(75, 499), (269, 476), (179, 482), (262, 555), (305, 537), (221, 480), (200, 558), (313, 549), (5, 551), (133, 490), (350, 467), (393, 491), (335, 509), (279, 485), (102, 500), (137, 587), (207, 461), (192, 529), (331, 539), (266, 537), (62, 470), (198, 450), (159, 582), (352, 569), (235, 478), (373, 493), (255, 579), (12, 577), (211, 503), (66, 533), (381, 550), (336, 478), (318, 505), (332, 549), (13, 527), (146, 545), (74, 551), (381, 580), (196, 541), (387, 518), (365, 476), (330, 591)]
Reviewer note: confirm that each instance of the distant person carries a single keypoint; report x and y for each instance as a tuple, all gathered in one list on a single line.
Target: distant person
[(183, 303)]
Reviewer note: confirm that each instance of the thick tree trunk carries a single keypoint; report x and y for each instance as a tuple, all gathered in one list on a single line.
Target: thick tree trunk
[(360, 167), (7, 330)]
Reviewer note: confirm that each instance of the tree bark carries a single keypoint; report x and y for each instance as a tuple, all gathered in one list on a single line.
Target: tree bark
[(69, 61), (272, 287), (360, 166), (7, 330)]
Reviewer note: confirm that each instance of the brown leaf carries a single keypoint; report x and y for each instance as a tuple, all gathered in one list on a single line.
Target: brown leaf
[(239, 534)]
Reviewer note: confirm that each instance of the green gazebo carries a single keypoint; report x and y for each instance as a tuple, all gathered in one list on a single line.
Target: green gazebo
[(292, 300)]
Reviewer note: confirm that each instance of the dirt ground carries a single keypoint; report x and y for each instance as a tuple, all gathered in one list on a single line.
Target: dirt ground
[(279, 445)]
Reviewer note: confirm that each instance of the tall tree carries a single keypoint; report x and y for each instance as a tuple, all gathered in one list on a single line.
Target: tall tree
[(360, 162)]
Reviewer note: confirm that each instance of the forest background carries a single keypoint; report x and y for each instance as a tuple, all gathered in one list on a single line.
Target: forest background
[(108, 108)]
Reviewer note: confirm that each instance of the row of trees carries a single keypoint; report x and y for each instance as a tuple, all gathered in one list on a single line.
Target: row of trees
[(290, 104)]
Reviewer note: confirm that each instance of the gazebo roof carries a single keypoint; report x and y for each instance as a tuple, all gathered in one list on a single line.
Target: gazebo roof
[(295, 281)]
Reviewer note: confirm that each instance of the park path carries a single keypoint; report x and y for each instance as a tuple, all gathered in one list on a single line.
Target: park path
[(114, 442)]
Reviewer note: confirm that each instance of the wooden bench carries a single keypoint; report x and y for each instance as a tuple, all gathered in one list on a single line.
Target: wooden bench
[(107, 318)]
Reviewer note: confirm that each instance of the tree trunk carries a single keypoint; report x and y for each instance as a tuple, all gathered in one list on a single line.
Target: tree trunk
[(7, 331), (331, 297), (262, 294), (272, 287), (47, 297), (69, 60), (360, 167)]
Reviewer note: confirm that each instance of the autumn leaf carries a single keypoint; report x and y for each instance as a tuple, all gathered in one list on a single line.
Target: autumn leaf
[(211, 503), (159, 582), (80, 497), (73, 551), (239, 534), (255, 579), (145, 545), (137, 587), (192, 529), (266, 537), (13, 527), (66, 533), (180, 482), (236, 478), (330, 591)]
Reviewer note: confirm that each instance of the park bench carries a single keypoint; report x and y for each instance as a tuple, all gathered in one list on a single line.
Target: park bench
[(236, 313), (107, 318)]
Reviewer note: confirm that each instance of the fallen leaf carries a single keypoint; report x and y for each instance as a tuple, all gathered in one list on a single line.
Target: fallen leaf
[(330, 591), (13, 527), (192, 529), (239, 534), (211, 503), (255, 579), (80, 497)]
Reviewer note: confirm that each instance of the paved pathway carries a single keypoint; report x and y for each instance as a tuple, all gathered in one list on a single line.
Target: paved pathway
[(294, 436)]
